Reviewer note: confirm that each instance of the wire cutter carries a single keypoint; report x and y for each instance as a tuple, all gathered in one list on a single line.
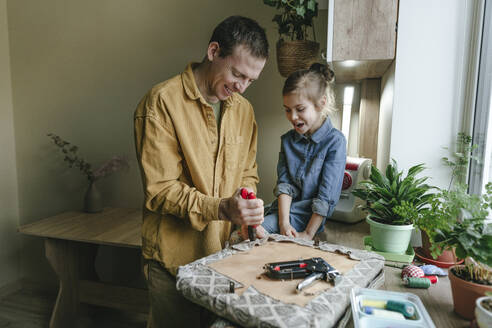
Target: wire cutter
[(311, 270), (251, 228)]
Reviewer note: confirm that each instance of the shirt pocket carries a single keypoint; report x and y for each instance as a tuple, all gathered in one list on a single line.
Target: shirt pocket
[(234, 151)]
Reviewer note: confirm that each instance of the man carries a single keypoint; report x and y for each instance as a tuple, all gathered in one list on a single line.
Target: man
[(195, 139)]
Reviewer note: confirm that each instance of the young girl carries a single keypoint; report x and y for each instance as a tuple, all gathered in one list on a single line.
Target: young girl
[(312, 157)]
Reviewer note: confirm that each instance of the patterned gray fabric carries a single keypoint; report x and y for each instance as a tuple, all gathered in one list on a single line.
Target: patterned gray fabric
[(342, 323), (208, 288)]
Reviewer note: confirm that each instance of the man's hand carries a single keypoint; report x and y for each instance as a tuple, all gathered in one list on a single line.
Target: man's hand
[(288, 230), (241, 211), (260, 232)]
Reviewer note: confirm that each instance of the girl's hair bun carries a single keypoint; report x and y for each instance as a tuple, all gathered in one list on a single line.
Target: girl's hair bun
[(324, 70)]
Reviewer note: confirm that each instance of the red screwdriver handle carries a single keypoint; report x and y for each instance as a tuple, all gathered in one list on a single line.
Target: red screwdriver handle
[(252, 228), (244, 193)]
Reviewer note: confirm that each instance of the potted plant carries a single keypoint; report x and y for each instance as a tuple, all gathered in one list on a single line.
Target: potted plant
[(389, 198), (438, 217), (470, 234), (483, 311), (294, 50)]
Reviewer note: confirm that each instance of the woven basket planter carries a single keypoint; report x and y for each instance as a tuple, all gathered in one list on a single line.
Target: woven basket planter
[(295, 55)]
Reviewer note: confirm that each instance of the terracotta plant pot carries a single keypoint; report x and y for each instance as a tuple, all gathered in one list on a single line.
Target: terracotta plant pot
[(447, 256), (465, 294), (295, 55)]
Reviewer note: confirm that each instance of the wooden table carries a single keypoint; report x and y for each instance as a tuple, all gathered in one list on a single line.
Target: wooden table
[(71, 240)]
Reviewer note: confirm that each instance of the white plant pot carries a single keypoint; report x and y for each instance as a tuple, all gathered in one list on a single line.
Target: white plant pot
[(483, 317)]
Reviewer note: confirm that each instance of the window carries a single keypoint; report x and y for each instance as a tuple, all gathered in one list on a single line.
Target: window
[(481, 172)]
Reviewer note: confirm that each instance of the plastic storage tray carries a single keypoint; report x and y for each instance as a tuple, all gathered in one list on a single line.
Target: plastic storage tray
[(363, 320), (407, 257)]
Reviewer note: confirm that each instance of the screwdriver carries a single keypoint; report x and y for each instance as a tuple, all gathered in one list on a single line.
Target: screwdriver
[(251, 228)]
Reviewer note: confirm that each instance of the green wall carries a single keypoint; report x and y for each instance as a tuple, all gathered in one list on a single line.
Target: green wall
[(9, 215)]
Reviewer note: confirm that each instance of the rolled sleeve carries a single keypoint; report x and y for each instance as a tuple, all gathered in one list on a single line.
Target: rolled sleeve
[(286, 188), (322, 207)]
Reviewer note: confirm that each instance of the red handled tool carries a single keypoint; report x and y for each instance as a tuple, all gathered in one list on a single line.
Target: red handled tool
[(251, 228)]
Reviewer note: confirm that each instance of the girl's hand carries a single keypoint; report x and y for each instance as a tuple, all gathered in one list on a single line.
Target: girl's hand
[(304, 235), (288, 230)]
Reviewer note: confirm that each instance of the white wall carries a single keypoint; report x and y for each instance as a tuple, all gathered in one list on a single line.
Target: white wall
[(429, 79), (385, 117), (9, 216)]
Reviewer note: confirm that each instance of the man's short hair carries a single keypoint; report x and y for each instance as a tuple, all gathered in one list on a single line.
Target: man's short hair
[(239, 30)]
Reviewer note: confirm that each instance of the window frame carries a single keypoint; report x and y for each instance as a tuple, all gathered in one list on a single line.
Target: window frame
[(479, 172)]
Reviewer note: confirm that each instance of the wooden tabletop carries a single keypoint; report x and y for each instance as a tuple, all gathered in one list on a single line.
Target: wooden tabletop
[(113, 226)]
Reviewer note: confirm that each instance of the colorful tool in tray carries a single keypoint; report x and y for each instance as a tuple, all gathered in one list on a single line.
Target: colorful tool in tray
[(312, 270), (252, 228), (379, 308)]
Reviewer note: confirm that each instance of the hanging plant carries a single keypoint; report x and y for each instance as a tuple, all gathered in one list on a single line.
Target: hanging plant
[(295, 18)]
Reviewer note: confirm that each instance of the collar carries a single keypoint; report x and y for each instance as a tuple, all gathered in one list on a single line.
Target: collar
[(192, 91), (318, 135)]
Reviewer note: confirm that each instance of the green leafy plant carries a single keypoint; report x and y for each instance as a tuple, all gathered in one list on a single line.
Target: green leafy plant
[(71, 156), (295, 18), (445, 207), (460, 158), (412, 213), (394, 198), (458, 220), (467, 229), (448, 205)]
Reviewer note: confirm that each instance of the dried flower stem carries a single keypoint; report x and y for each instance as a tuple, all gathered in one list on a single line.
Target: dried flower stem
[(70, 151)]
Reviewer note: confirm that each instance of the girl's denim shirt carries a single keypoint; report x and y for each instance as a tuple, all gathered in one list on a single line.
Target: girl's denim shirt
[(312, 168)]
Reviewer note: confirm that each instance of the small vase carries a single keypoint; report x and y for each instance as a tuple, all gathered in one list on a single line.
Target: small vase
[(92, 199)]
